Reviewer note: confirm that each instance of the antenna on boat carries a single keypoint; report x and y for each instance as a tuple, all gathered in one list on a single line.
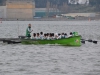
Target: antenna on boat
[(18, 27)]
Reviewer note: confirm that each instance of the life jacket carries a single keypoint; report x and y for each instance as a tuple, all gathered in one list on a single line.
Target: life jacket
[(28, 32)]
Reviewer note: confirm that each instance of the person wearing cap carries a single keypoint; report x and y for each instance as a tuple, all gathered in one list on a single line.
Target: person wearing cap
[(28, 31)]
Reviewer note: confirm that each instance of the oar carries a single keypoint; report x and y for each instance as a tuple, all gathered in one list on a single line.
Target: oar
[(95, 42), (83, 41), (89, 40)]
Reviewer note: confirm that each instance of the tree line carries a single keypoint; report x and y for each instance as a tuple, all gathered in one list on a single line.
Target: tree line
[(43, 3), (95, 4)]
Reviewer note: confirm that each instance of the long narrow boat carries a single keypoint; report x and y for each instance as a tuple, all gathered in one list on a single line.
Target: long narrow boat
[(71, 41)]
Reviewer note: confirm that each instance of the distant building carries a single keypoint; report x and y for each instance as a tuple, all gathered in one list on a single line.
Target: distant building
[(80, 14), (78, 2), (42, 12), (2, 11), (2, 2), (73, 1), (20, 9), (83, 2)]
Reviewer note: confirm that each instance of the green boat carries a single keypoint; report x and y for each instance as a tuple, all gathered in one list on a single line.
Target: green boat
[(71, 41)]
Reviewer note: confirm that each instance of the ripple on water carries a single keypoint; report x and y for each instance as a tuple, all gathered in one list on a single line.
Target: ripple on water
[(50, 59)]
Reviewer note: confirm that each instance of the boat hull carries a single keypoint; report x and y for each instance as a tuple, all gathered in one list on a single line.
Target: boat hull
[(71, 41)]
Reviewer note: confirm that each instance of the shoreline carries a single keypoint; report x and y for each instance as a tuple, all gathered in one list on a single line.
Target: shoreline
[(56, 19)]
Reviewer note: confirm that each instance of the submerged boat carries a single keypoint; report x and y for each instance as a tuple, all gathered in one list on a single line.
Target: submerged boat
[(71, 41)]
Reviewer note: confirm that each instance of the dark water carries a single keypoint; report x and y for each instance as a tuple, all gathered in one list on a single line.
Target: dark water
[(21, 59)]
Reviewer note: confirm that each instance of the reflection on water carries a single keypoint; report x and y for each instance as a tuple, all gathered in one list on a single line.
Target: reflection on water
[(21, 59)]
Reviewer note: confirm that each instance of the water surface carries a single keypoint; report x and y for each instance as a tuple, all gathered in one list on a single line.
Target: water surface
[(18, 59)]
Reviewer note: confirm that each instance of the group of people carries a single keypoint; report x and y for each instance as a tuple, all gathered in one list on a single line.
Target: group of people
[(47, 36)]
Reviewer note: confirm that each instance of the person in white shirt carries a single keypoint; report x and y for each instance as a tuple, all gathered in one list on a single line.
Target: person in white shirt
[(56, 35), (48, 36), (45, 36), (62, 35), (71, 34), (59, 36), (65, 35), (41, 35), (34, 36), (38, 36)]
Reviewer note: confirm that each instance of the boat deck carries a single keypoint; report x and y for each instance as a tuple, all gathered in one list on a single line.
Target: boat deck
[(10, 40)]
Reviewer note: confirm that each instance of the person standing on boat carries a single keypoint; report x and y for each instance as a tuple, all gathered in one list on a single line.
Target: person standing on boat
[(28, 31)]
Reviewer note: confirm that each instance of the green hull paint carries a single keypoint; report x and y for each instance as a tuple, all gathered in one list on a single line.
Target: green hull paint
[(71, 41)]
